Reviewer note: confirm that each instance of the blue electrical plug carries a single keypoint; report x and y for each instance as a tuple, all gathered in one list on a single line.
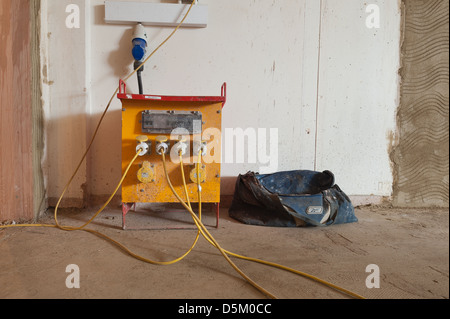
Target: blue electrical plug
[(139, 43)]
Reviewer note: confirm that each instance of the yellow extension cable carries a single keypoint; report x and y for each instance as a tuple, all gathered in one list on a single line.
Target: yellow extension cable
[(224, 252), (197, 220), (83, 227), (202, 227), (107, 108)]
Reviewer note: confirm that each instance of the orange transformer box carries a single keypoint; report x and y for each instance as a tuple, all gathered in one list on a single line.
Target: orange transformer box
[(170, 124)]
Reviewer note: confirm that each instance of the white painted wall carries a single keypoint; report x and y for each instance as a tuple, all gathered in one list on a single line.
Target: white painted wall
[(268, 53), (65, 75), (358, 95)]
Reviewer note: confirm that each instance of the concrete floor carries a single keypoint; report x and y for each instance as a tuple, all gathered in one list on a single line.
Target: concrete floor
[(410, 247)]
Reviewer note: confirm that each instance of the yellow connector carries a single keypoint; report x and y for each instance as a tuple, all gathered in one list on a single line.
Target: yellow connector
[(193, 174), (142, 138), (143, 146), (162, 145), (146, 174)]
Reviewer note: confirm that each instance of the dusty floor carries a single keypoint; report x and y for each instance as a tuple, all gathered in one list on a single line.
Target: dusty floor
[(410, 247)]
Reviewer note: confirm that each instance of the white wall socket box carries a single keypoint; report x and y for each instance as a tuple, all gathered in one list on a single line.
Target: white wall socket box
[(155, 14)]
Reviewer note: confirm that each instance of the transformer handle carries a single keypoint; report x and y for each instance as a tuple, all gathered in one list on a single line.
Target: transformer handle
[(224, 93), (122, 85)]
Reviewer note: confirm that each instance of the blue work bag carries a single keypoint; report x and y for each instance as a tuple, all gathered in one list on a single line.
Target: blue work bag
[(291, 199)]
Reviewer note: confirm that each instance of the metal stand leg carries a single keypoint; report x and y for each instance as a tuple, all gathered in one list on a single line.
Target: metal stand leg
[(126, 207), (217, 206)]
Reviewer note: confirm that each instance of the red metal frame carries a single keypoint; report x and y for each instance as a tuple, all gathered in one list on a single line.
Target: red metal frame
[(170, 98), (126, 207)]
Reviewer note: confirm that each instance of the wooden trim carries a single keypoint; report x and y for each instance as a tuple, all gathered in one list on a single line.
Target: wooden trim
[(40, 201)]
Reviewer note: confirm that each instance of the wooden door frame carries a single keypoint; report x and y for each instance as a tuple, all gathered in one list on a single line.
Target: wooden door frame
[(21, 140)]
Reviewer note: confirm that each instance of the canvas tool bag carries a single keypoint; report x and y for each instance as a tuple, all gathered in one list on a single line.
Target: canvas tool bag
[(291, 199)]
